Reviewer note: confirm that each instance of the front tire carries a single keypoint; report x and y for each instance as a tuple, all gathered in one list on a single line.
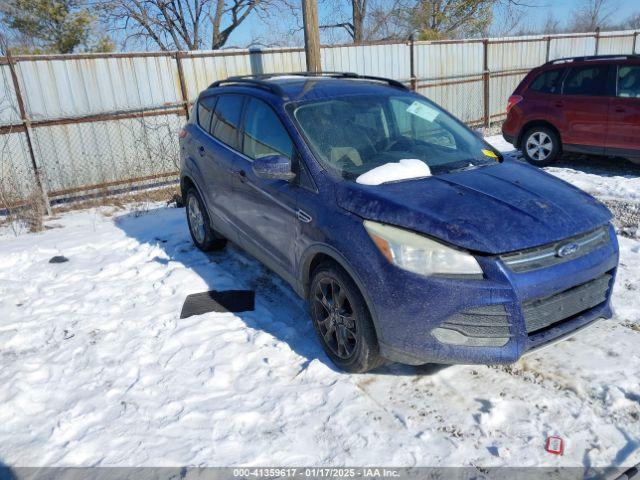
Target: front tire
[(540, 146), (204, 237), (342, 320)]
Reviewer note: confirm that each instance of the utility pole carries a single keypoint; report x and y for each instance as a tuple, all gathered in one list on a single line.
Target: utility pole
[(311, 34)]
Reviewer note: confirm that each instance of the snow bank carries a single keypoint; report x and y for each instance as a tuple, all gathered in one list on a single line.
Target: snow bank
[(405, 169)]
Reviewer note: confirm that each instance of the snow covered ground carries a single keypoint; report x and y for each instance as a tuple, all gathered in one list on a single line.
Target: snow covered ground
[(96, 368)]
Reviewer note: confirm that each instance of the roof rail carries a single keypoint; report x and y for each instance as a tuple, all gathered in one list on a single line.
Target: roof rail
[(592, 58), (259, 80), (253, 82)]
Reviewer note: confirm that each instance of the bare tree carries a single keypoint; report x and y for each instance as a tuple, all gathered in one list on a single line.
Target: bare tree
[(181, 24), (354, 25), (430, 19), (593, 14), (634, 22)]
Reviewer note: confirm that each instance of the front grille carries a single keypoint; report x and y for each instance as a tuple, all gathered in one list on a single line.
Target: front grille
[(545, 312), (547, 255)]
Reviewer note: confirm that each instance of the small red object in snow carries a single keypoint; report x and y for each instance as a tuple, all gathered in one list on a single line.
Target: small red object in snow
[(555, 445)]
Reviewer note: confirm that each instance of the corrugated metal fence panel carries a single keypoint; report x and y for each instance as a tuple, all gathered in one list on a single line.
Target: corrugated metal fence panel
[(265, 61), (621, 42), (463, 98), (438, 60), (517, 54), (391, 60), (572, 46), (9, 111), (78, 87), (86, 154), (201, 69)]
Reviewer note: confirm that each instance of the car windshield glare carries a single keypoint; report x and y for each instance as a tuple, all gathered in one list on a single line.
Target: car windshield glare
[(353, 135)]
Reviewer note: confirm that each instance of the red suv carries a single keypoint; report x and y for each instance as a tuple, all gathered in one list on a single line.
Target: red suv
[(584, 104)]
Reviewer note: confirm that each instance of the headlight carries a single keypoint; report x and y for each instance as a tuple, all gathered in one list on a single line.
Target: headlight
[(419, 254)]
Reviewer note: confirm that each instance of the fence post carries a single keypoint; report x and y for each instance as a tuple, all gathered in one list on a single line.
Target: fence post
[(548, 54), (597, 39), (26, 123), (485, 82), (635, 42), (183, 85), (412, 64)]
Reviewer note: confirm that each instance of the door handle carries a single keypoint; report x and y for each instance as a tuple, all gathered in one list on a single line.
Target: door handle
[(242, 175), (303, 216), (201, 150), (620, 109), (559, 104)]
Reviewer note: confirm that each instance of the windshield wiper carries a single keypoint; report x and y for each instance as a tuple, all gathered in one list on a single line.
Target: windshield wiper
[(469, 166)]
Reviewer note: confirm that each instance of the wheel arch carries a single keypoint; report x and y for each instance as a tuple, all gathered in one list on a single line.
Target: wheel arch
[(316, 255), (187, 182), (538, 123)]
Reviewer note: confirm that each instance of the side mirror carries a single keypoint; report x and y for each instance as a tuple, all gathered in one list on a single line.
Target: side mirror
[(273, 167)]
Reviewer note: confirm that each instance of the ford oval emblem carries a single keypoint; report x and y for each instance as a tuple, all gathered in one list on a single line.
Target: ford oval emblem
[(567, 249)]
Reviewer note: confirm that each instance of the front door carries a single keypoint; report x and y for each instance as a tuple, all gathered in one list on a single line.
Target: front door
[(624, 113), (264, 209)]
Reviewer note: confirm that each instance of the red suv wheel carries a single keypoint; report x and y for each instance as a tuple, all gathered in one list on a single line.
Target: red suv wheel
[(540, 146)]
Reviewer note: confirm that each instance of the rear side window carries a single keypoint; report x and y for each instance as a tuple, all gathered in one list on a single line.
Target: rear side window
[(226, 119), (205, 112), (547, 82), (264, 134), (629, 81), (586, 81)]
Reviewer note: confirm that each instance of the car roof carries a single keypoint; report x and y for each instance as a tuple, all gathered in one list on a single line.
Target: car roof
[(585, 60), (307, 86)]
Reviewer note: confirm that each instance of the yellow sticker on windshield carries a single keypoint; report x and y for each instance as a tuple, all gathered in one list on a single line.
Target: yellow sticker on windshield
[(489, 153)]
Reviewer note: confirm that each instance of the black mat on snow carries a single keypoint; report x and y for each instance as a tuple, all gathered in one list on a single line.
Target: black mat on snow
[(214, 301)]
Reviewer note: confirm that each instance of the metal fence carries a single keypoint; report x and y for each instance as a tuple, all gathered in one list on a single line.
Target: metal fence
[(87, 124)]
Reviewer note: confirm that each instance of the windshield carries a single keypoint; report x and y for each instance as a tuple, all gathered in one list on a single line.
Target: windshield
[(353, 135)]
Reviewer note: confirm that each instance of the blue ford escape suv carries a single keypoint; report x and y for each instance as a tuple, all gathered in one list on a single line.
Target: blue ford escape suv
[(410, 237)]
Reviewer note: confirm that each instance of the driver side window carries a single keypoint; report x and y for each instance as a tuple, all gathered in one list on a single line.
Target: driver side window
[(420, 122), (264, 133)]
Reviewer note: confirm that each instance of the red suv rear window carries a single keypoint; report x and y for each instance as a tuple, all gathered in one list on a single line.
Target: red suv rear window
[(549, 81)]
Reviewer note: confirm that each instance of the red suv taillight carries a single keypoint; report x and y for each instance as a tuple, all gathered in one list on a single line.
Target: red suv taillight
[(182, 134), (513, 101)]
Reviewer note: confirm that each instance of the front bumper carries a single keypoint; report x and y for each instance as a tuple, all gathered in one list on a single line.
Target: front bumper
[(408, 309)]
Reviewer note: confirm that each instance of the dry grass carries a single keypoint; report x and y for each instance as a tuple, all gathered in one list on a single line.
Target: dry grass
[(20, 214), (27, 216), (138, 201)]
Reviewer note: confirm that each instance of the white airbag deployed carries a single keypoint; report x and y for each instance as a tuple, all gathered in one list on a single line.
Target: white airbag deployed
[(405, 169)]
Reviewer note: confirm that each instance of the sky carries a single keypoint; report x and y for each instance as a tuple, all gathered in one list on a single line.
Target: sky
[(264, 31)]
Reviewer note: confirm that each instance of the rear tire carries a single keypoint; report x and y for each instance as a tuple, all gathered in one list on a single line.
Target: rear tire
[(204, 237), (342, 320), (540, 146)]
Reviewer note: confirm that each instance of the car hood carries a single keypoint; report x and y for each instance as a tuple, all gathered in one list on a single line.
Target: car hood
[(496, 209)]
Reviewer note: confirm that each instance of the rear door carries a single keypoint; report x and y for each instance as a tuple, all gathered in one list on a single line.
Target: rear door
[(585, 106), (624, 112), (213, 178), (222, 153), (265, 210), (542, 94)]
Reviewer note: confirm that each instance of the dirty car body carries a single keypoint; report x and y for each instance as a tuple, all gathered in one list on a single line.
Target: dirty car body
[(544, 252)]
